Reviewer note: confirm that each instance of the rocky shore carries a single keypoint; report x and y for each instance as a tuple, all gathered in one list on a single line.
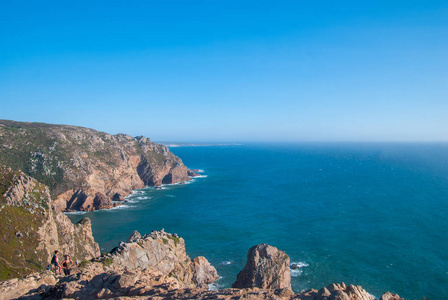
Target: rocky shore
[(86, 169), (156, 266), (75, 168)]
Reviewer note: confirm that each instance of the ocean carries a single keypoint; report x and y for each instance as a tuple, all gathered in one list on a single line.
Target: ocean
[(367, 214)]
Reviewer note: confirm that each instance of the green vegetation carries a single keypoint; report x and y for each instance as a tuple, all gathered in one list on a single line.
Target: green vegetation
[(84, 263), (18, 242), (175, 239), (62, 157), (18, 235), (107, 261)]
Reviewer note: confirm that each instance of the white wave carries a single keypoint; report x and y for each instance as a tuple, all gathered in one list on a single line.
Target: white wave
[(213, 287), (171, 196), (74, 212), (300, 264), (120, 207), (299, 268), (226, 262), (201, 176), (199, 171)]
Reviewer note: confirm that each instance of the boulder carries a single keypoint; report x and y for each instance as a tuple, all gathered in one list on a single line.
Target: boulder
[(267, 268), (336, 291), (135, 235), (390, 296), (204, 273), (101, 201)]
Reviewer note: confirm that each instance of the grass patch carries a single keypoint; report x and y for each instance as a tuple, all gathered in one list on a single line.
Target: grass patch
[(175, 239)]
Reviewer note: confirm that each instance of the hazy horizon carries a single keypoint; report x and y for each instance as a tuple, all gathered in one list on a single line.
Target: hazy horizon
[(230, 71)]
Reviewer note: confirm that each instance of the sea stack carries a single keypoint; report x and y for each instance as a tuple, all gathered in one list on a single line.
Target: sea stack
[(267, 268)]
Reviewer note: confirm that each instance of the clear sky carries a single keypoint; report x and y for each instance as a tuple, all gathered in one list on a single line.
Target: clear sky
[(230, 70)]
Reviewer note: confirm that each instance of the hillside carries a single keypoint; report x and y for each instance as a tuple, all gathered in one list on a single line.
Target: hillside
[(86, 169), (30, 230)]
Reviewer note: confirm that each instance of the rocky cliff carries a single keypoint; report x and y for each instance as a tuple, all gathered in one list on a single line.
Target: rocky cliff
[(86, 169), (266, 268), (156, 266), (30, 229)]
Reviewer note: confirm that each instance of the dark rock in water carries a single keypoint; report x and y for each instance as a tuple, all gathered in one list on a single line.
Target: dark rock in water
[(294, 266), (192, 173), (101, 201), (118, 197), (266, 268)]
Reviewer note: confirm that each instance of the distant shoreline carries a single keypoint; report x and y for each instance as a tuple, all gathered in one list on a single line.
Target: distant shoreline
[(169, 144)]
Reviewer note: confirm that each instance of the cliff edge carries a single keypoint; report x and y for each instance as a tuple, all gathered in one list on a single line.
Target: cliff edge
[(86, 169), (156, 266), (30, 230)]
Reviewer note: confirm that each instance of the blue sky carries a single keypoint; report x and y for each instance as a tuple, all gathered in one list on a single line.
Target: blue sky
[(229, 70)]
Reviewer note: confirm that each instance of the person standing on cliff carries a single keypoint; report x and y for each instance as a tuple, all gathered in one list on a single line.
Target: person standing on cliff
[(55, 263), (66, 265)]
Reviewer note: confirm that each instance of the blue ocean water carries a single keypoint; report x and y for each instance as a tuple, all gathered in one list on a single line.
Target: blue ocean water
[(374, 215)]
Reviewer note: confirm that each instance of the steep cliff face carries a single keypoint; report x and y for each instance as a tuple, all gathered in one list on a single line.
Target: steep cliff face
[(138, 268), (267, 267), (165, 253), (30, 230), (156, 266), (86, 169)]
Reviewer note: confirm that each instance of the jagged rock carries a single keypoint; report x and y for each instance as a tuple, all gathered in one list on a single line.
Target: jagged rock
[(266, 268), (101, 201), (336, 291), (390, 296), (135, 235), (36, 283), (118, 197), (164, 253), (83, 166), (156, 267), (26, 208), (203, 273)]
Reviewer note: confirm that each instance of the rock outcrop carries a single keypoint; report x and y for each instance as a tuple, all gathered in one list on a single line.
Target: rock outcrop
[(266, 268), (86, 169), (336, 291), (165, 253), (156, 266), (31, 230), (390, 296)]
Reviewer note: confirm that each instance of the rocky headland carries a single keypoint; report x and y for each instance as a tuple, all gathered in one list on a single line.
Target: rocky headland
[(86, 169), (152, 266), (77, 168), (156, 266)]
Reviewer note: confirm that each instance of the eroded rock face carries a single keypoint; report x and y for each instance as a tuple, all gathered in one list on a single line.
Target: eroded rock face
[(336, 291), (86, 169), (156, 266), (267, 267), (164, 253), (390, 296), (203, 273), (31, 230)]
